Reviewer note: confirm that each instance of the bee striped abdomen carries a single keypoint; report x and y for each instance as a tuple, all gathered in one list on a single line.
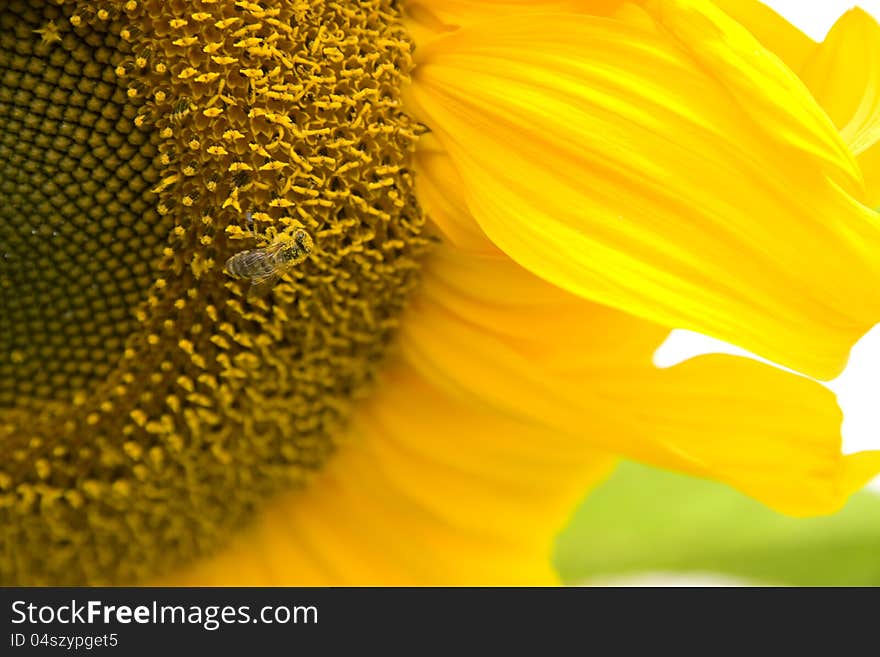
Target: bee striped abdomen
[(251, 264)]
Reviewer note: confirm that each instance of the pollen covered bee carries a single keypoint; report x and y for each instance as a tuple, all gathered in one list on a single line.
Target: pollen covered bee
[(263, 267), (181, 108)]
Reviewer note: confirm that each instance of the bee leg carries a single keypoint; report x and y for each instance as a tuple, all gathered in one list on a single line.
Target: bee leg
[(261, 286)]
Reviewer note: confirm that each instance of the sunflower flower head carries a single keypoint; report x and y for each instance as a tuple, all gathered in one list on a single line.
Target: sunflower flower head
[(149, 404), (591, 173)]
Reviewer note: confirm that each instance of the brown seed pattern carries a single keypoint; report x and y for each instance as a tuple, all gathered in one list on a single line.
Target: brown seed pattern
[(187, 403)]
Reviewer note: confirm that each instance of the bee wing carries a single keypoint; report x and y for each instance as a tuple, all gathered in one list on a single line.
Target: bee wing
[(273, 249), (260, 286), (239, 264)]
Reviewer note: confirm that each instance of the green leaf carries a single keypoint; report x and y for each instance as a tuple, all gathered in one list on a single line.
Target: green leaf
[(647, 520)]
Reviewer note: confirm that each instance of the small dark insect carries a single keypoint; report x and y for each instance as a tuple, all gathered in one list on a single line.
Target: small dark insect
[(181, 108)]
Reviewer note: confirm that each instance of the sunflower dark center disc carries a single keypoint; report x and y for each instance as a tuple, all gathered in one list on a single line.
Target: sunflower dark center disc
[(79, 231), (148, 404)]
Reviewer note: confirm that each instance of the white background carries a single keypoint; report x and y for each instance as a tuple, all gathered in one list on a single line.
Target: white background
[(815, 16), (858, 388)]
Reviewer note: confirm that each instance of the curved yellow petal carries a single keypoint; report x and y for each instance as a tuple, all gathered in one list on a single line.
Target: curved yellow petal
[(843, 74), (767, 90), (428, 489), (870, 163), (601, 156), (773, 435), (485, 329), (437, 175), (444, 15), (773, 31)]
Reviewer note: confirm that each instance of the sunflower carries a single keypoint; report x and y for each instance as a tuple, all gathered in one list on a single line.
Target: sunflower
[(509, 203)]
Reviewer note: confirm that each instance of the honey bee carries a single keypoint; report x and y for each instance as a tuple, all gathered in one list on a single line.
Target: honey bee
[(181, 108), (263, 267)]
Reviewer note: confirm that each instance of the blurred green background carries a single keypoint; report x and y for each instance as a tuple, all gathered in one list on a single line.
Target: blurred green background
[(644, 520)]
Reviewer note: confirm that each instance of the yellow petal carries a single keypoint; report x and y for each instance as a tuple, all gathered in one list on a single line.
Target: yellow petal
[(844, 75), (437, 175), (844, 72), (767, 90), (485, 329), (773, 435), (426, 19), (870, 163), (601, 156), (428, 489), (774, 32), (443, 15)]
